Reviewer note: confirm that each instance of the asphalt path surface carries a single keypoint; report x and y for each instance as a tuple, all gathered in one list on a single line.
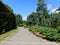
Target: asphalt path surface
[(25, 37)]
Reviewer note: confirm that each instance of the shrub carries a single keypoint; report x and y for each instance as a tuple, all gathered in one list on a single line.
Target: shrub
[(58, 28), (7, 18), (48, 32)]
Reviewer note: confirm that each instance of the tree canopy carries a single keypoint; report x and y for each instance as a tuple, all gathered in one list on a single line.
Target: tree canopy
[(7, 18)]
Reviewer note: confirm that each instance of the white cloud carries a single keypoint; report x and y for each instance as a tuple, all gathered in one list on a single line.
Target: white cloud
[(53, 10), (49, 6), (57, 11)]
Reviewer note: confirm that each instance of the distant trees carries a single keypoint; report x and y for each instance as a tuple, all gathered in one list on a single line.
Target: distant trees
[(19, 20), (32, 18), (56, 19), (42, 17), (7, 18), (42, 11)]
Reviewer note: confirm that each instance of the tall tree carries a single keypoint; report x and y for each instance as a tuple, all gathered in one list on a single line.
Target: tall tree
[(19, 19), (42, 11), (41, 6), (32, 18)]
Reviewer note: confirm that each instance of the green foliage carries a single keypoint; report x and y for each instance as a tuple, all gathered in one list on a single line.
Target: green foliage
[(58, 28), (48, 32), (42, 17), (56, 19), (32, 18), (45, 22), (19, 20), (41, 6), (7, 18)]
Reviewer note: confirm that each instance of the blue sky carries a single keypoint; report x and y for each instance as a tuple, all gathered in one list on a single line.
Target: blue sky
[(25, 7)]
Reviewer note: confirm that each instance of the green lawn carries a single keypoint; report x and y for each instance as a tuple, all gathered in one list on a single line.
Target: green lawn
[(7, 34)]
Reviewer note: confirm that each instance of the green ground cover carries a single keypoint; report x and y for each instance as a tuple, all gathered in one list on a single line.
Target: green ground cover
[(50, 33)]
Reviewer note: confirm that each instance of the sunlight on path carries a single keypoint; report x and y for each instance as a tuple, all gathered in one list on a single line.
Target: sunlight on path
[(25, 37)]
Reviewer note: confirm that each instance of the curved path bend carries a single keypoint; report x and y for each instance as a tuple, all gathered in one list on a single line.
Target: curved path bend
[(25, 37)]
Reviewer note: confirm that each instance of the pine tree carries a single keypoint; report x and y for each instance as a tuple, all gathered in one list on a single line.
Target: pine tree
[(41, 6), (42, 11)]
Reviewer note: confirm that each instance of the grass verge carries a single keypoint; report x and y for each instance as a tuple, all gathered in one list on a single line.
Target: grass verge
[(8, 34)]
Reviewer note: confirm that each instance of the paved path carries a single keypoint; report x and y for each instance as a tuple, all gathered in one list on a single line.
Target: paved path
[(25, 37)]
